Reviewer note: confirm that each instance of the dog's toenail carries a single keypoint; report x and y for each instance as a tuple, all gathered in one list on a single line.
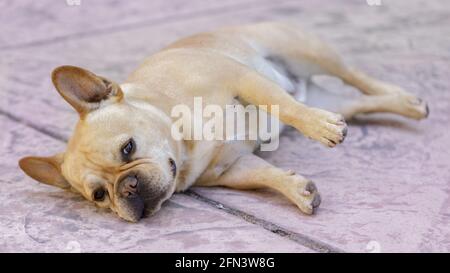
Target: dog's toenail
[(344, 133), (310, 187), (316, 201), (427, 111)]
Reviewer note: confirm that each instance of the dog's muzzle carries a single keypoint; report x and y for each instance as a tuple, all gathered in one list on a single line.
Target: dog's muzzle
[(138, 196)]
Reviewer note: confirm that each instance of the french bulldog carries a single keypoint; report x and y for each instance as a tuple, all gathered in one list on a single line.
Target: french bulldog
[(122, 155)]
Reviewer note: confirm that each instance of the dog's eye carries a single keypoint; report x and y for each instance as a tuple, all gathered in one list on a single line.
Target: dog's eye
[(173, 167), (99, 194), (128, 148)]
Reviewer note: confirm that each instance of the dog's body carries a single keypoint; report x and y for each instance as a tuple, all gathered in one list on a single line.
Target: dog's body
[(123, 145)]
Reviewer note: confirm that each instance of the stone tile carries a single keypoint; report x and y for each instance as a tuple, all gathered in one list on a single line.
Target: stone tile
[(28, 22), (39, 218), (396, 195)]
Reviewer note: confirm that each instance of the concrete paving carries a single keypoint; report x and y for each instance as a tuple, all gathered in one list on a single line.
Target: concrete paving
[(385, 189)]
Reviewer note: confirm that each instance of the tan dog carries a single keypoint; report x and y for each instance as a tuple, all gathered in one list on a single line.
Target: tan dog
[(122, 155)]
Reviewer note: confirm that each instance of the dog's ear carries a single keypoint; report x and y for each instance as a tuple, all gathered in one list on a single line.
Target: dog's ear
[(46, 170), (84, 90)]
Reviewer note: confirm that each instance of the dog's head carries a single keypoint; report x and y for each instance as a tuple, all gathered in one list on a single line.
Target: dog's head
[(120, 156)]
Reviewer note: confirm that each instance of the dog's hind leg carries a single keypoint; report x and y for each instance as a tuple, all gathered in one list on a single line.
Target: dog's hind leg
[(379, 96), (350, 105), (252, 172), (304, 55)]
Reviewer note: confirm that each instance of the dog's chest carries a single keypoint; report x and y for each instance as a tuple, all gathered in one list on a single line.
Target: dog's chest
[(198, 156), (208, 160)]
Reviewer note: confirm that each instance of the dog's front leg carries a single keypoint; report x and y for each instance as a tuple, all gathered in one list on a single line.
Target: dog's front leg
[(252, 172), (327, 127)]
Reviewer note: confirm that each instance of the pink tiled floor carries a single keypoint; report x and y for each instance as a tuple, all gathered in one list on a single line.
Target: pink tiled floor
[(387, 186)]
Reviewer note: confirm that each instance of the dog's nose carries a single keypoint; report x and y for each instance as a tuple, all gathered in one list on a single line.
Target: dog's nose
[(128, 186)]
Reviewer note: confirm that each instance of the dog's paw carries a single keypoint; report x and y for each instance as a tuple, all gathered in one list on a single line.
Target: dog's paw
[(415, 107), (305, 195), (309, 199), (326, 127), (406, 104)]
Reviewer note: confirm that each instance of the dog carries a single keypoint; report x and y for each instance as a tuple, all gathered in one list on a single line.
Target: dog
[(122, 156)]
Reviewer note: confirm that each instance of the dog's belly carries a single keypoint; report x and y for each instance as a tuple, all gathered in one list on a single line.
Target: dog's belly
[(292, 79)]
